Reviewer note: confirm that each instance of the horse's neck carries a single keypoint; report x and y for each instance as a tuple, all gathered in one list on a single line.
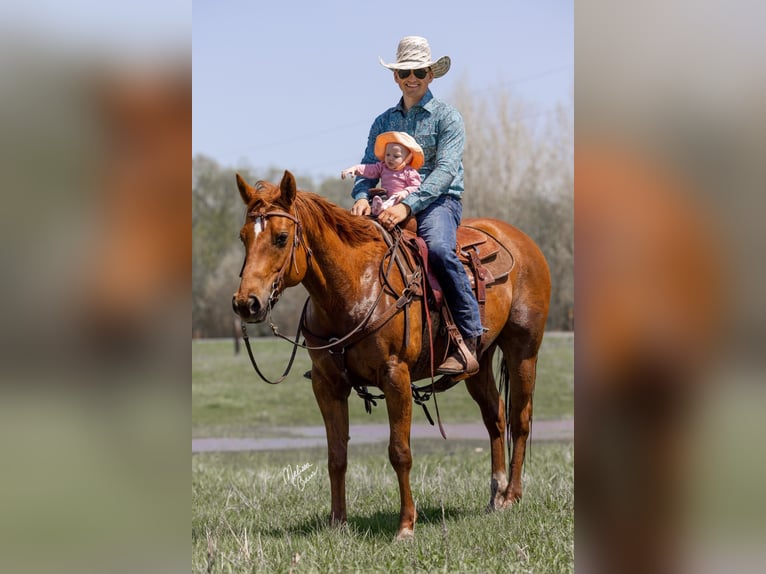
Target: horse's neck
[(342, 280)]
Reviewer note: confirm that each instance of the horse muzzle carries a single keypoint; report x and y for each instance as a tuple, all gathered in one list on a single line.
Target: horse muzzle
[(249, 309)]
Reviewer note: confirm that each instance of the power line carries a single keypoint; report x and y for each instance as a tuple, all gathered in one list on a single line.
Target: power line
[(310, 135), (550, 72)]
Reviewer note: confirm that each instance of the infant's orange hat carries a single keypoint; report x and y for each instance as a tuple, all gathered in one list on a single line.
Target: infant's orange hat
[(403, 139)]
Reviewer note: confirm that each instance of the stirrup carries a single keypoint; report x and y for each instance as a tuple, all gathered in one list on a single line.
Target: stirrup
[(467, 361)]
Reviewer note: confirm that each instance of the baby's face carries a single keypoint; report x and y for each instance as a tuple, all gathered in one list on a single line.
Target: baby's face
[(395, 155)]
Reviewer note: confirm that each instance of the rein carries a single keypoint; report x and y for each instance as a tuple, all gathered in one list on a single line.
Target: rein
[(255, 364)]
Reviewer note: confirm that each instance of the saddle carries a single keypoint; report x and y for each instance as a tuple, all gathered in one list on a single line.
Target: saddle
[(484, 260), (480, 253)]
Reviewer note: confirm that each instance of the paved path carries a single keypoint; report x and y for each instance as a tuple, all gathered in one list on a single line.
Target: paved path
[(306, 437)]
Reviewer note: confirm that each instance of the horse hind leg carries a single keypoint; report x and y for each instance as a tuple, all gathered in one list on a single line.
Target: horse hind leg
[(483, 390), (520, 357)]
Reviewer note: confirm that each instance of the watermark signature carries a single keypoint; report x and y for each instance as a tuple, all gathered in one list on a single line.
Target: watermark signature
[(298, 476)]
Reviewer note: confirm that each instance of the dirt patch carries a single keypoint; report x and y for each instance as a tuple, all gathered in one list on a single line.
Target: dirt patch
[(308, 437)]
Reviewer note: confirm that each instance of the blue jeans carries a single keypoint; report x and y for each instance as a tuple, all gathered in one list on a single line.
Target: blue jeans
[(437, 225)]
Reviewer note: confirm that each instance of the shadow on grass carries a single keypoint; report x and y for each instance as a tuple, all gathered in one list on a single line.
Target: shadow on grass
[(377, 525)]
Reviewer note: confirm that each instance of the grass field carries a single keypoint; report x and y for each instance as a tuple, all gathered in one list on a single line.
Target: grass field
[(228, 398), (248, 517)]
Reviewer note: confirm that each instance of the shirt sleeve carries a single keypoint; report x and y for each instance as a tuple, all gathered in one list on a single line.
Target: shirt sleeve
[(371, 170), (449, 156), (362, 185)]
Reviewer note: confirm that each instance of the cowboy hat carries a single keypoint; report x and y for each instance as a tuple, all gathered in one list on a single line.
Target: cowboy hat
[(403, 139), (414, 53)]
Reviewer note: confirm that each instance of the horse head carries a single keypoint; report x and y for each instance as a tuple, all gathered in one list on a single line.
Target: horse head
[(276, 256)]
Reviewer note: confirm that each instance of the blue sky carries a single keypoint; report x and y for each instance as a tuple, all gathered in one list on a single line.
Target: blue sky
[(137, 28), (296, 85)]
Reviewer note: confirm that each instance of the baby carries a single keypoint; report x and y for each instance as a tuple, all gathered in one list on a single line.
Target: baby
[(400, 158)]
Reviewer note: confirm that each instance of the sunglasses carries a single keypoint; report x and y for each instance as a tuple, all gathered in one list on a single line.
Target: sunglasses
[(419, 74)]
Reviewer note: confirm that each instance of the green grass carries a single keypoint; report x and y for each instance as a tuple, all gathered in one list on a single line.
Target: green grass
[(229, 399), (246, 518)]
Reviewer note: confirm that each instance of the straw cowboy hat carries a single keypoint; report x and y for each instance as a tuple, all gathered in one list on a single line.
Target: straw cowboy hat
[(403, 139), (414, 53)]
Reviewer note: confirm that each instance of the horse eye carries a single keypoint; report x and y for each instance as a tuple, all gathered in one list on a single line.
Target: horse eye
[(281, 239)]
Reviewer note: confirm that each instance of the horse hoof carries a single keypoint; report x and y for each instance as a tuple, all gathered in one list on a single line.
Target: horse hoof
[(495, 504), (405, 534), (504, 504), (334, 522)]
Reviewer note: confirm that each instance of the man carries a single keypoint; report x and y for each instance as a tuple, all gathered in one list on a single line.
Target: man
[(436, 204)]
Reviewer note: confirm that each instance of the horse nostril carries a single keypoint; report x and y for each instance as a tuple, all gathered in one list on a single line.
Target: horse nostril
[(253, 304), (248, 308)]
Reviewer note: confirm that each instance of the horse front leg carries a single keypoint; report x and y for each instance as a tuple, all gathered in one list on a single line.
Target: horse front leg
[(333, 402), (396, 387)]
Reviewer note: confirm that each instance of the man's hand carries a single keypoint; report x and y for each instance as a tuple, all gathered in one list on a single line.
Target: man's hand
[(393, 215), (361, 207)]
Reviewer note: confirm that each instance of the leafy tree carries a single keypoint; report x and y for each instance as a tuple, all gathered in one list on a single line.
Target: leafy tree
[(217, 254), (519, 167)]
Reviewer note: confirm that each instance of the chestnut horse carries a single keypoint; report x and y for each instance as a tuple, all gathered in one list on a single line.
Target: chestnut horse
[(293, 237)]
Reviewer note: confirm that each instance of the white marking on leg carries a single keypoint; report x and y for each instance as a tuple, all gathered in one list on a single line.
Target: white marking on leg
[(501, 479), (497, 487), (405, 534)]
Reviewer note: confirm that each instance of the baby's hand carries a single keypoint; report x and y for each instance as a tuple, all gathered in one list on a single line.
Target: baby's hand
[(400, 195), (347, 173)]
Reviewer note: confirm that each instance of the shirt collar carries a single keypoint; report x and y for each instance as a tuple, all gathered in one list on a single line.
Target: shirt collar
[(423, 103)]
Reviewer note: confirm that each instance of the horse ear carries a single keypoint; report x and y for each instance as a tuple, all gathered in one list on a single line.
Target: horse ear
[(245, 190), (288, 190)]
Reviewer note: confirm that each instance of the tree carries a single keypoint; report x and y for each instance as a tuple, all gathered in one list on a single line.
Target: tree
[(217, 254), (519, 167)]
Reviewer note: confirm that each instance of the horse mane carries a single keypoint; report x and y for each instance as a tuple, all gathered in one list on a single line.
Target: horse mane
[(317, 212)]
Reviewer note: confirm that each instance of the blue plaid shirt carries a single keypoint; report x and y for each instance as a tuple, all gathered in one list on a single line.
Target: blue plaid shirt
[(439, 129)]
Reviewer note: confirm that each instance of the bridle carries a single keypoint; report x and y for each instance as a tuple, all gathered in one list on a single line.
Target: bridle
[(278, 286)]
